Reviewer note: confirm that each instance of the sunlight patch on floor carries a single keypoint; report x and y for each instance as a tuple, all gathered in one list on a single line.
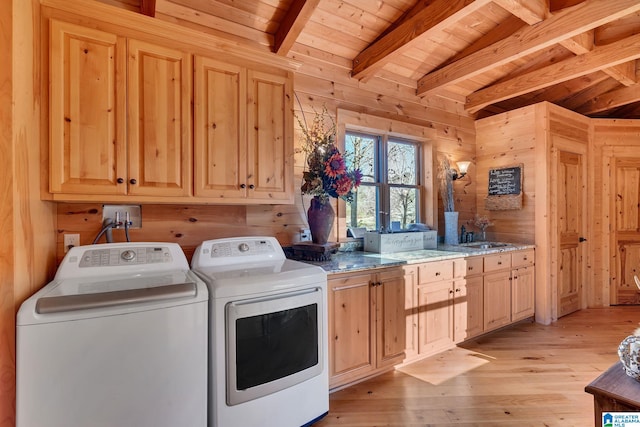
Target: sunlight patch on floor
[(445, 366)]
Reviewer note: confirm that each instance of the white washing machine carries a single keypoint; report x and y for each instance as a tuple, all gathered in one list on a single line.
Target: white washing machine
[(268, 334), (117, 339)]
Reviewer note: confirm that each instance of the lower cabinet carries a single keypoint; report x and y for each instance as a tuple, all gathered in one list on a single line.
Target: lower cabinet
[(497, 300), (522, 285), (366, 324), (451, 301), (380, 318)]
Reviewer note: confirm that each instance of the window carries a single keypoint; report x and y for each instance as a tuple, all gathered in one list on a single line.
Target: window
[(389, 196)]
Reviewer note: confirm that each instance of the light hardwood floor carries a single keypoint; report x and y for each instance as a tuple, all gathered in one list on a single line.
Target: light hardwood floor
[(525, 375)]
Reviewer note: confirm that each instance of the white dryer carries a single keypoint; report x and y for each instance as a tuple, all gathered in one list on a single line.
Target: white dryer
[(118, 338), (268, 334)]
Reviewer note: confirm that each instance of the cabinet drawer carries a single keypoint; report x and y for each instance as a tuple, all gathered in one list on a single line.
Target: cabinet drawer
[(472, 266), (523, 258), (497, 262), (435, 271)]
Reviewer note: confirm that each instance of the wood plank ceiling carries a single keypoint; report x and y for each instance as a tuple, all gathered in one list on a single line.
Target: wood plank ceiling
[(490, 55)]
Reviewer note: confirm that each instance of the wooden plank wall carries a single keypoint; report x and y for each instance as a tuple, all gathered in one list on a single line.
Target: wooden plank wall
[(7, 303), (27, 252), (319, 82), (504, 140)]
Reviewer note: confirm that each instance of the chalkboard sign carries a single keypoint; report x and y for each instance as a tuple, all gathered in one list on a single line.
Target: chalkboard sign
[(505, 181), (505, 188)]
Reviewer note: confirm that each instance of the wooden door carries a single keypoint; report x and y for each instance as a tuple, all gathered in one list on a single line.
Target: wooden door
[(270, 138), (87, 107), (435, 318), (350, 327), (220, 130), (627, 230), (159, 125), (569, 216), (390, 317)]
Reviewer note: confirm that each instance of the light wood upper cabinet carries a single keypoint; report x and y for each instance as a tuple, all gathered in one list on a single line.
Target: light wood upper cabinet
[(132, 121), (220, 133), (270, 125), (159, 123), (243, 133), (94, 148), (87, 110)]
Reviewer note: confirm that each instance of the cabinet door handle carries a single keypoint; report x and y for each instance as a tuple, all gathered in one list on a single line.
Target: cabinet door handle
[(437, 273), (119, 180), (243, 185), (252, 186), (470, 268), (458, 290), (132, 181), (450, 291), (499, 262)]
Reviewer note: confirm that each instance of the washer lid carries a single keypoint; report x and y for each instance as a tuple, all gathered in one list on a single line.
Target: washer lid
[(260, 277), (82, 294)]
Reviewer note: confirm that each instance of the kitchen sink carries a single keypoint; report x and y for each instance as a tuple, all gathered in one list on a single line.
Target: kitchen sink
[(486, 245)]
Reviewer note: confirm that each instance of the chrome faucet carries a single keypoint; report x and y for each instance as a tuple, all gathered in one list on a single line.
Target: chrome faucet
[(382, 229)]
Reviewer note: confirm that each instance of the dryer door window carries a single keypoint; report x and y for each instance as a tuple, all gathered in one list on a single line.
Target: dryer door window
[(272, 344)]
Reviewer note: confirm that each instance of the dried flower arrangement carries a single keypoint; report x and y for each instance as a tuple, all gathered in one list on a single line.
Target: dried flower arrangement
[(326, 173), (445, 175)]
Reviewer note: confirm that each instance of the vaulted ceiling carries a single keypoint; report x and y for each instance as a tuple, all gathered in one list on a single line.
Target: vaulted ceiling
[(489, 55)]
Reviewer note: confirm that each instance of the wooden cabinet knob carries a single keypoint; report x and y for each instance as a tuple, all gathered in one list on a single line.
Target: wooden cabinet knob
[(132, 181), (119, 180)]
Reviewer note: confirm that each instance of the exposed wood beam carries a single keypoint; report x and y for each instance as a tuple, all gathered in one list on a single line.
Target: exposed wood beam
[(503, 30), (613, 99), (432, 16), (530, 11), (599, 58), (148, 7), (563, 25), (294, 21)]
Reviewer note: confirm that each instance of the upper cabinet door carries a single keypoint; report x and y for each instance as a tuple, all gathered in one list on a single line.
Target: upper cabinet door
[(87, 111), (159, 102), (220, 130), (270, 127)]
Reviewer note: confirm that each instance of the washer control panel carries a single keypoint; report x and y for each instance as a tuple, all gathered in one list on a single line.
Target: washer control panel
[(124, 256)]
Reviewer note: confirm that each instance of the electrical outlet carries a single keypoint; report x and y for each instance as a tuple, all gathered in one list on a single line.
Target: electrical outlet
[(118, 214), (305, 235), (71, 240)]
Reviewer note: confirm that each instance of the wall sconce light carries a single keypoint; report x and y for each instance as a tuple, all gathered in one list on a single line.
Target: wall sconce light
[(463, 167)]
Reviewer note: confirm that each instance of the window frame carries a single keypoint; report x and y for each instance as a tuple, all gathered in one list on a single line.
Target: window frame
[(382, 183), (396, 130)]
